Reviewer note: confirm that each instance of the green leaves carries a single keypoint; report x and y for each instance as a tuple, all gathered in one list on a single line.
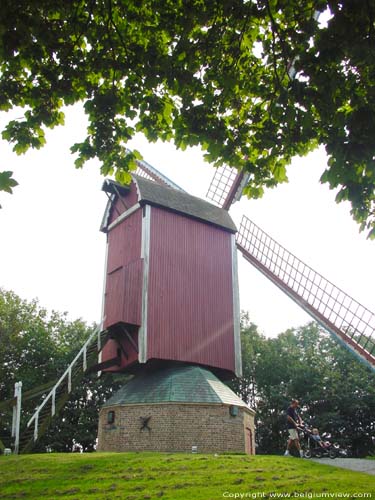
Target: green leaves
[(7, 182), (24, 135), (213, 74), (36, 348), (336, 390)]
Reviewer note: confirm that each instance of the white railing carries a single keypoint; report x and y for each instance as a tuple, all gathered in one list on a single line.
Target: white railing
[(51, 396)]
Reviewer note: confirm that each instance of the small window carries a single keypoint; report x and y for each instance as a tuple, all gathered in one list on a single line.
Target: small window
[(233, 410), (110, 417)]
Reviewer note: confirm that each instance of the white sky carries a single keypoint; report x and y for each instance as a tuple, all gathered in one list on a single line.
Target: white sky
[(51, 247)]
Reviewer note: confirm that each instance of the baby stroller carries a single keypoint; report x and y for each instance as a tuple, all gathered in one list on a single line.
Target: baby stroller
[(313, 449)]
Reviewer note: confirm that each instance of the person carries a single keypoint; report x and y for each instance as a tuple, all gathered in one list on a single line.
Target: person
[(316, 437), (294, 421)]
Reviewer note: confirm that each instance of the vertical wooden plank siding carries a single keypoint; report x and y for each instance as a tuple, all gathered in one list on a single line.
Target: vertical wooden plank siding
[(124, 242), (190, 295), (124, 272), (114, 297), (130, 199), (132, 305), (123, 295)]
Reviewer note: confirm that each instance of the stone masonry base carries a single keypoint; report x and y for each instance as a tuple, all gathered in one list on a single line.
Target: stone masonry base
[(176, 427)]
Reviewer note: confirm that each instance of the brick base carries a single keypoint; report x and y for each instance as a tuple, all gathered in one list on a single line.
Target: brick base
[(176, 427)]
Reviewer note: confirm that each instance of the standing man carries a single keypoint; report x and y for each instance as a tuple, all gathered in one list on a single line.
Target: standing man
[(293, 422)]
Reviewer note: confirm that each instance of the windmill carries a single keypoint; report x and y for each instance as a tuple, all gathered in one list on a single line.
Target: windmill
[(349, 322), (166, 372), (352, 324), (172, 309), (170, 319)]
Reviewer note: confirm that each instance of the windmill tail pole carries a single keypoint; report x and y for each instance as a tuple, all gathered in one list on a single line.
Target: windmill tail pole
[(352, 324)]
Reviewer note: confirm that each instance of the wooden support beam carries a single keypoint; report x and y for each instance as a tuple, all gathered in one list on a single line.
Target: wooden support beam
[(105, 364), (233, 190)]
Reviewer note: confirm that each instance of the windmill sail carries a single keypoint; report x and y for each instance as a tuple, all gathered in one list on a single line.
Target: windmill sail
[(151, 173), (346, 319), (226, 186)]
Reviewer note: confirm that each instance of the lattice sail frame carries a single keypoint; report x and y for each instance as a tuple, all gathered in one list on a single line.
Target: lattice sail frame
[(220, 185), (149, 172), (344, 317), (226, 186)]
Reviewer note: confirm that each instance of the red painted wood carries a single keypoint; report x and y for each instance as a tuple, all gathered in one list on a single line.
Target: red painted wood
[(110, 351), (123, 298), (132, 305), (190, 294), (233, 190), (124, 242), (129, 200), (123, 295), (114, 298)]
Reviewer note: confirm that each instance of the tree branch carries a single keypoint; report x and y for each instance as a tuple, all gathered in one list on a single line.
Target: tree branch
[(274, 31)]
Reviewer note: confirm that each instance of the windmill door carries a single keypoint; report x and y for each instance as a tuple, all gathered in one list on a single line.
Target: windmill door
[(249, 441), (123, 296)]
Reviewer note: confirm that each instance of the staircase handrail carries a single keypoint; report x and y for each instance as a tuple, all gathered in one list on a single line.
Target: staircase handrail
[(68, 372)]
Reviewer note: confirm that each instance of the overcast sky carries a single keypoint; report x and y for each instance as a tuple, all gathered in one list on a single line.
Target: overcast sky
[(51, 247)]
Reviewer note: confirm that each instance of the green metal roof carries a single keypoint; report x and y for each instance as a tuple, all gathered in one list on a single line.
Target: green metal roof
[(179, 384)]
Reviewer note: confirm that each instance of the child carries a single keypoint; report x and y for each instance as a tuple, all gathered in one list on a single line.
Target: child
[(316, 437)]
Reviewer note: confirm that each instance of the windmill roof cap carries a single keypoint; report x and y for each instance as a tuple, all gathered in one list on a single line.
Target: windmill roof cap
[(178, 384), (150, 192), (112, 187)]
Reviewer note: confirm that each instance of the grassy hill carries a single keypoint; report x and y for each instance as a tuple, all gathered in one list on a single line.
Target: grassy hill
[(142, 476)]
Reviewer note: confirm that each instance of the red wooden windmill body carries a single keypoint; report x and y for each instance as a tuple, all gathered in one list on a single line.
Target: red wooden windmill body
[(171, 290), (171, 297), (207, 332)]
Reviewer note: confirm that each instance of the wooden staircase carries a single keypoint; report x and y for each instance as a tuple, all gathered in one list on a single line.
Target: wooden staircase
[(53, 401)]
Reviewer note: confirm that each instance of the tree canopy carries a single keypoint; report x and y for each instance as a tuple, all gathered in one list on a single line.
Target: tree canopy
[(336, 390), (35, 348), (253, 83)]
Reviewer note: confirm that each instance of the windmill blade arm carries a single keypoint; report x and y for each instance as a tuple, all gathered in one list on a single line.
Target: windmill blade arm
[(233, 191), (346, 319), (148, 171), (226, 186)]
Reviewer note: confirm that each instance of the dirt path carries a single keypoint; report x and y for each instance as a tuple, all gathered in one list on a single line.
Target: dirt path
[(357, 464)]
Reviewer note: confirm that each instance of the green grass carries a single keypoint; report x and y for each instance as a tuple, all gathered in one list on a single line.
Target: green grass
[(142, 476)]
